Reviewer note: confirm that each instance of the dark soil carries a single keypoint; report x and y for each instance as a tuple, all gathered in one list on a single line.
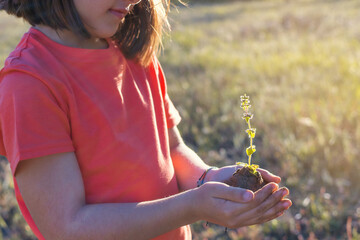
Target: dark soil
[(244, 178)]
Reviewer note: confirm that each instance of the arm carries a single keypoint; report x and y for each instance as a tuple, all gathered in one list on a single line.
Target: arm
[(53, 191), (188, 165)]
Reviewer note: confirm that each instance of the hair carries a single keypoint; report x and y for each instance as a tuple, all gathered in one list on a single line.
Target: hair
[(139, 37)]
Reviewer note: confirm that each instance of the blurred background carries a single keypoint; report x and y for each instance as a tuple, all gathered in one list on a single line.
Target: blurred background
[(299, 61)]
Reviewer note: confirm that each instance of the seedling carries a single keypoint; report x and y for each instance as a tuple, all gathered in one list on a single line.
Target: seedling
[(247, 116), (247, 176)]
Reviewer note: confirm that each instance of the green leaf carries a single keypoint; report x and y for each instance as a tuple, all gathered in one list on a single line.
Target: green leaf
[(251, 132), (247, 116), (253, 168), (250, 150)]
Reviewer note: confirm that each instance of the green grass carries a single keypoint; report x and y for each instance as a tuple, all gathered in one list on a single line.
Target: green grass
[(300, 63)]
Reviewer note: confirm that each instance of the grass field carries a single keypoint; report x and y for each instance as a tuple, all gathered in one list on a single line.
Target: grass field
[(300, 63)]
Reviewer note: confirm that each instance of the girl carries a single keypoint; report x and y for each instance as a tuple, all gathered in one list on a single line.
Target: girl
[(91, 136)]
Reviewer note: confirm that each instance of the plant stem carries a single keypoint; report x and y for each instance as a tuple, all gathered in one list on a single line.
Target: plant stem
[(251, 142)]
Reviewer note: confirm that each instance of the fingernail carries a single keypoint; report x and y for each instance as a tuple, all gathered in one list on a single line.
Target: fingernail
[(286, 204), (285, 191), (247, 196)]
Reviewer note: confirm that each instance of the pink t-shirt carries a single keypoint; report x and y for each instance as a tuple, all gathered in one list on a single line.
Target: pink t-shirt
[(113, 113)]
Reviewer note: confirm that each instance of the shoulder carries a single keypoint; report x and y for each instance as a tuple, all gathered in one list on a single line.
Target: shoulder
[(154, 64), (31, 69), (155, 70), (14, 80), (27, 89), (29, 56), (20, 48), (19, 86)]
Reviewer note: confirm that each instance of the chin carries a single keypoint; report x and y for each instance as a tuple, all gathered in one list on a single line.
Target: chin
[(106, 32)]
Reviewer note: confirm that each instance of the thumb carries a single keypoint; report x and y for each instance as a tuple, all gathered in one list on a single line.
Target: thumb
[(268, 176), (233, 194)]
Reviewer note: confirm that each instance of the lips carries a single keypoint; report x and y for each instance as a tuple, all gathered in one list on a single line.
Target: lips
[(119, 13)]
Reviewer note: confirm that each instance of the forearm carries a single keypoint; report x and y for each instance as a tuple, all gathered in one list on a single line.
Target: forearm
[(188, 166), (142, 220)]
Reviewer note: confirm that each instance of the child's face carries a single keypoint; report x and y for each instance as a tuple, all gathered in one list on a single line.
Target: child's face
[(103, 17)]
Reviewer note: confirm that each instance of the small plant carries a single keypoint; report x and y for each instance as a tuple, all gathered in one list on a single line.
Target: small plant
[(247, 176), (247, 116)]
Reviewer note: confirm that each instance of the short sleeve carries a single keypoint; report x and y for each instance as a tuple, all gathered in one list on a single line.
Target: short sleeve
[(172, 115), (32, 124)]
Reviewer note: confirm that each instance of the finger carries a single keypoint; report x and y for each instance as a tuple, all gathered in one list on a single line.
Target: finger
[(277, 210), (272, 213), (233, 194), (259, 197), (263, 193), (271, 201), (274, 203), (269, 177)]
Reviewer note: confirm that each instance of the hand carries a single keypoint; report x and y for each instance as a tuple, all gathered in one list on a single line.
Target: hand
[(230, 207), (224, 174)]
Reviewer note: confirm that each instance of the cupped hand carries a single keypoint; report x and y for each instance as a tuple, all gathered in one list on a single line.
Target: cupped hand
[(224, 174), (236, 207)]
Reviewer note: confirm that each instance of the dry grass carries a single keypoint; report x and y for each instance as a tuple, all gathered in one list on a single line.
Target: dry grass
[(299, 62)]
